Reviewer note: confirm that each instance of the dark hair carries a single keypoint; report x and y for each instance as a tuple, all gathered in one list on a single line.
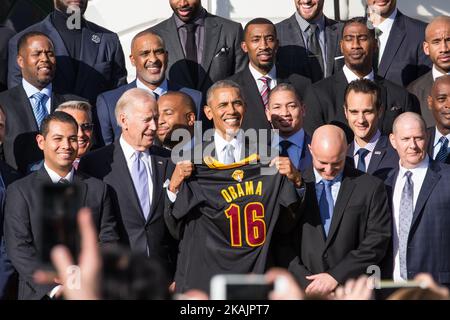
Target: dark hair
[(286, 87), (259, 21), (147, 32), (57, 116), (24, 38), (360, 20), (187, 100), (364, 86), (220, 85)]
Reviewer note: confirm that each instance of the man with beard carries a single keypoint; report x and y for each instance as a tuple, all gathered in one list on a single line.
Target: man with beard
[(262, 74), (150, 58), (324, 100), (400, 57), (90, 57), (27, 104)]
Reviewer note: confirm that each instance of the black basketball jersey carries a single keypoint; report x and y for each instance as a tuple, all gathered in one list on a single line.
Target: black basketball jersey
[(229, 216)]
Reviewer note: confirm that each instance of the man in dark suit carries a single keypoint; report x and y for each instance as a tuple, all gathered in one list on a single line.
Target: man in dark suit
[(136, 170), (28, 103), (309, 41), (400, 56), (324, 100), (437, 47), (90, 58), (285, 112), (5, 34), (419, 193), (203, 48), (261, 74), (370, 151), (439, 135), (344, 222), (150, 58), (24, 200)]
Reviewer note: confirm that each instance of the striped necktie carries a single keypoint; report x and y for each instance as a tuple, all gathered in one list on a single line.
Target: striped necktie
[(265, 90), (39, 109)]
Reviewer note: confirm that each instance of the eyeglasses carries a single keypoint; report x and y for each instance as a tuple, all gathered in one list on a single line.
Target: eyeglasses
[(87, 126)]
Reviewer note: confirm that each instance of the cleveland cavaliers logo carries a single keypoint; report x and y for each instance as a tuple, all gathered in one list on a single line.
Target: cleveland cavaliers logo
[(238, 175)]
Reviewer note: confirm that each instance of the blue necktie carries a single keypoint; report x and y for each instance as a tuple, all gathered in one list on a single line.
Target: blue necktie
[(326, 205), (362, 153), (442, 154), (404, 222), (140, 181), (285, 145), (39, 109)]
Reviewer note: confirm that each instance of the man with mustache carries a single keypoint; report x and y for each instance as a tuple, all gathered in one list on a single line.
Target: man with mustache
[(324, 100), (90, 57), (262, 74), (150, 58), (27, 104), (437, 47)]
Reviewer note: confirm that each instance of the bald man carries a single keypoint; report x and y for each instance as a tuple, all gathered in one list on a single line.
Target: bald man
[(136, 169), (419, 192), (345, 226), (437, 47)]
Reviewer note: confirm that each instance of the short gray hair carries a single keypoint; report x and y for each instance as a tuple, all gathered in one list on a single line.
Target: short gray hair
[(76, 105), (219, 85), (130, 98)]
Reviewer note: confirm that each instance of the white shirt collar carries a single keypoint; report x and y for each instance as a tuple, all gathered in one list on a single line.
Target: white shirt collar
[(30, 90), (55, 177), (319, 178), (387, 23), (370, 145), (162, 89), (436, 73), (437, 136), (351, 76), (220, 142), (128, 150), (272, 74), (423, 165)]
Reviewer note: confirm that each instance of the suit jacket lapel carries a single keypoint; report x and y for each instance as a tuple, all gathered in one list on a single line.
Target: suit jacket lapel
[(158, 172), (396, 37), (377, 155), (331, 36), (295, 29), (27, 108), (90, 43), (431, 134), (82, 188), (313, 204), (212, 33)]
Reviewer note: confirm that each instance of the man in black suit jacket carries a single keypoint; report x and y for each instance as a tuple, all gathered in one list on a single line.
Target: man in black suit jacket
[(5, 34), (401, 58), (295, 53), (344, 222), (419, 192), (439, 135), (370, 151), (38, 64), (261, 75), (437, 47), (90, 58), (324, 100), (150, 75), (24, 200), (140, 203), (214, 52)]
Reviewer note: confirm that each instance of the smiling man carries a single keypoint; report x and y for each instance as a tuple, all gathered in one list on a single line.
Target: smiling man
[(262, 74), (150, 58), (370, 151), (24, 201)]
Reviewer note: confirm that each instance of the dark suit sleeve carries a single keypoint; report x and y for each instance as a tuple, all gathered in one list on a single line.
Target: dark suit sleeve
[(108, 225), (314, 117), (374, 246), (240, 56), (14, 74), (20, 245), (412, 103), (104, 120), (119, 76)]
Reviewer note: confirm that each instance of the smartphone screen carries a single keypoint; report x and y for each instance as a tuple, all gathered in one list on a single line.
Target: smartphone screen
[(59, 219), (240, 287)]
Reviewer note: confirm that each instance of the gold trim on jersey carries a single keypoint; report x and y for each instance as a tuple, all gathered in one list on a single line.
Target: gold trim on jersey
[(213, 163)]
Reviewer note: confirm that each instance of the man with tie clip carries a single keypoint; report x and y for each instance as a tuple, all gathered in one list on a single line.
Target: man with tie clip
[(370, 151)]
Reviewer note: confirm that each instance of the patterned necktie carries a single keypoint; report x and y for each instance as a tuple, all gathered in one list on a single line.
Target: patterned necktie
[(39, 109), (190, 48), (63, 181), (326, 205), (315, 53), (140, 181), (265, 90), (155, 95), (404, 223), (228, 154), (442, 154), (362, 153), (284, 146)]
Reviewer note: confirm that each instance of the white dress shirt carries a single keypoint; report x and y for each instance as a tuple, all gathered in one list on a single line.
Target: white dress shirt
[(436, 73), (220, 144), (418, 175), (296, 149), (30, 90), (128, 152), (161, 90), (385, 28), (56, 178), (370, 146), (257, 75), (436, 143), (351, 76)]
